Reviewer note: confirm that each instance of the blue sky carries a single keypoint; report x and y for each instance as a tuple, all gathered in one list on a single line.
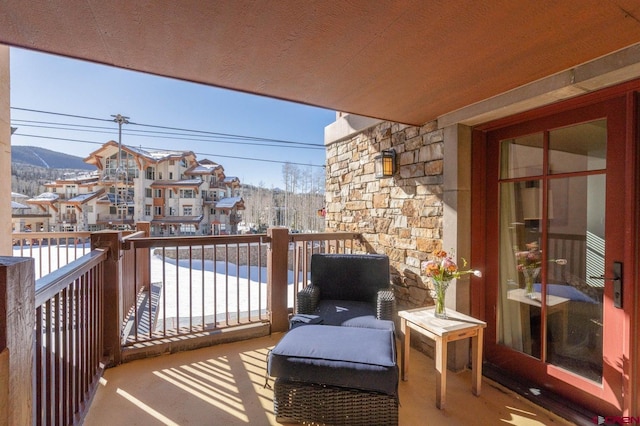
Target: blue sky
[(63, 87)]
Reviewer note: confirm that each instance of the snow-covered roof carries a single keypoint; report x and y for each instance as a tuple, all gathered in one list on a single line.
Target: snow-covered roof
[(157, 154), (46, 196), (80, 177), (228, 203), (204, 168), (18, 195), (15, 205), (82, 197)]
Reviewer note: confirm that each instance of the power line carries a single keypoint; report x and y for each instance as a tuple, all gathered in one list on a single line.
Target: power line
[(61, 114), (110, 131), (161, 149), (205, 132)]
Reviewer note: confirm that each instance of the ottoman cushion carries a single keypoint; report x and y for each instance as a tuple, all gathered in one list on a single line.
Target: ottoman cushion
[(350, 357)]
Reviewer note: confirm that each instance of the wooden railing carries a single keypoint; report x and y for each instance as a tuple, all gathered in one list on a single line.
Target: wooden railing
[(69, 355), (50, 250), (143, 296), (202, 284), (196, 284)]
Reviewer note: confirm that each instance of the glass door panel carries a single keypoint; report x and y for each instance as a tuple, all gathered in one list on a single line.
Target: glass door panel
[(582, 147), (520, 266), (551, 240), (576, 252), (557, 189), (521, 156)]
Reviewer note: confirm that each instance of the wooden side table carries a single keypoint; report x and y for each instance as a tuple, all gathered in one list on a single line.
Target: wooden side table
[(456, 327)]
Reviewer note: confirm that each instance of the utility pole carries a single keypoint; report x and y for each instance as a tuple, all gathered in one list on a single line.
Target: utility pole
[(121, 173)]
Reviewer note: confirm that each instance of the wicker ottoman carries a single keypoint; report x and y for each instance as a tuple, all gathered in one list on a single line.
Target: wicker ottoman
[(336, 376)]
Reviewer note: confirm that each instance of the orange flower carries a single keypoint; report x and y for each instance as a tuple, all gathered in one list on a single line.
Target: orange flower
[(444, 268)]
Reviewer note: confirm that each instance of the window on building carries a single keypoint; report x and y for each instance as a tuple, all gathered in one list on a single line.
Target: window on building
[(157, 210), (187, 210), (147, 210), (187, 193), (148, 192), (150, 173), (172, 211), (160, 175), (170, 175), (157, 193)]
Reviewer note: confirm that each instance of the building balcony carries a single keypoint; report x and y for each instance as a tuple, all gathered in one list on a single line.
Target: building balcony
[(106, 219), (68, 218), (219, 345)]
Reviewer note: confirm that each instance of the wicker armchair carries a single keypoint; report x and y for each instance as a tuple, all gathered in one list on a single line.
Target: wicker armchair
[(348, 289)]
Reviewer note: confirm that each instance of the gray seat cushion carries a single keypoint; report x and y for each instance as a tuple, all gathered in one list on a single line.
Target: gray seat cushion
[(350, 313), (350, 357)]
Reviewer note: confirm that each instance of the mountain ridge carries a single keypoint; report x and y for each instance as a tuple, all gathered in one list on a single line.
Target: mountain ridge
[(46, 158)]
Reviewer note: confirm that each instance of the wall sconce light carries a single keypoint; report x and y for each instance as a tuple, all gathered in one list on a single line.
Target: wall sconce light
[(385, 163)]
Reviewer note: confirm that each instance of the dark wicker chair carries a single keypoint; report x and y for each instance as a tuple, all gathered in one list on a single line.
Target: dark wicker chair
[(348, 289)]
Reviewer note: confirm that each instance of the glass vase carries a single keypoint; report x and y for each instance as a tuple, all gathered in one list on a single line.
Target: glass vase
[(530, 275), (439, 294)]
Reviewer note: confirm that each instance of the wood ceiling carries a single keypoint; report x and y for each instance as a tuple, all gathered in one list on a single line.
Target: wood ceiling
[(406, 61)]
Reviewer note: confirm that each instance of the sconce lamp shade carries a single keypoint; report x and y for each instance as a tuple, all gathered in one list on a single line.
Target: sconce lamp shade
[(385, 163)]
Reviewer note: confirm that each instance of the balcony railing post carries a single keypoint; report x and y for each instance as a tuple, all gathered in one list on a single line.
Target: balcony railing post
[(277, 270), (113, 310), (17, 321), (143, 257)]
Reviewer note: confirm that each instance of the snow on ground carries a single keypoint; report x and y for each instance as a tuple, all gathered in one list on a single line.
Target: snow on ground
[(49, 258), (207, 289), (201, 288)]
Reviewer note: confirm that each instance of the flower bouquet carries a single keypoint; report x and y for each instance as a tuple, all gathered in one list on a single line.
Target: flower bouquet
[(442, 269)]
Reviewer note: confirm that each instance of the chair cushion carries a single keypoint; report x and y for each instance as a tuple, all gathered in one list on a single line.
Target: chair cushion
[(350, 276), (350, 313), (358, 358)]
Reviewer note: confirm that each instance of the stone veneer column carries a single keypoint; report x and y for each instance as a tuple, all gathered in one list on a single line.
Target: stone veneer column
[(5, 154), (456, 221)]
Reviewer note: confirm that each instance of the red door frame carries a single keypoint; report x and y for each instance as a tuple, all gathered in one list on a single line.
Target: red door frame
[(620, 397)]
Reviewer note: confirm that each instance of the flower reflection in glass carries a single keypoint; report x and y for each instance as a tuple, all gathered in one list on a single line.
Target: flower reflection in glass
[(529, 263)]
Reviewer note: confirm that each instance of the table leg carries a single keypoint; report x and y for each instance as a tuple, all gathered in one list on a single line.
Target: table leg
[(405, 347), (476, 362), (441, 372)]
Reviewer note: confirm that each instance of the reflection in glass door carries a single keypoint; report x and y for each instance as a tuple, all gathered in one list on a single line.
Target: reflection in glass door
[(551, 245)]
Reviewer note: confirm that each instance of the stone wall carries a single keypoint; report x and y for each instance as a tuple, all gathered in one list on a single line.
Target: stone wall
[(400, 216)]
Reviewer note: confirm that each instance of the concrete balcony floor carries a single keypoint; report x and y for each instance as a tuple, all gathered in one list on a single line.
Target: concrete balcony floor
[(224, 385)]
